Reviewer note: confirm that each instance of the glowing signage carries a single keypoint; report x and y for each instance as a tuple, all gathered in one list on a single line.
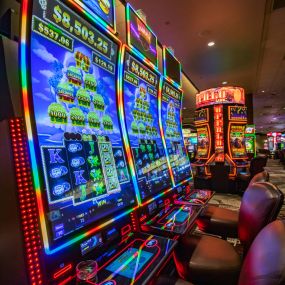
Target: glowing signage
[(140, 36), (237, 113), (220, 95), (201, 116), (219, 133)]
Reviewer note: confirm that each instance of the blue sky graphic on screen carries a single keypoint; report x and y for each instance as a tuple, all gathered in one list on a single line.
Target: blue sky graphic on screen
[(132, 261), (103, 8), (74, 97), (140, 92), (171, 107)]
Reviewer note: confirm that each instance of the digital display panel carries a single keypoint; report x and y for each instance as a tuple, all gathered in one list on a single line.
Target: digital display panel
[(201, 116), (237, 141), (130, 263), (91, 243), (171, 105), (249, 130), (250, 144), (105, 9), (221, 95), (140, 36), (172, 67), (140, 96), (76, 120), (178, 216), (203, 142), (237, 113)]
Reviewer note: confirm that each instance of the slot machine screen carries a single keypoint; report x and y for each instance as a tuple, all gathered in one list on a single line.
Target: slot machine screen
[(237, 141), (105, 9), (171, 124), (140, 36), (249, 144), (77, 132), (203, 142), (140, 95), (172, 68)]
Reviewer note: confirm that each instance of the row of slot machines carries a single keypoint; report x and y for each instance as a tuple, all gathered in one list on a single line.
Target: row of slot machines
[(97, 169)]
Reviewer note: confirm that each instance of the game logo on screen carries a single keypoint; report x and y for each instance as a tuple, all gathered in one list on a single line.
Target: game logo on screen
[(237, 141), (171, 124), (201, 116), (105, 9), (140, 95), (140, 36), (76, 119), (203, 142), (237, 113)]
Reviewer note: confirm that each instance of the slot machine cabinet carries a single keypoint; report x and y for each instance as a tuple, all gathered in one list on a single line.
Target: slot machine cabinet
[(250, 141), (70, 195), (139, 109), (224, 122)]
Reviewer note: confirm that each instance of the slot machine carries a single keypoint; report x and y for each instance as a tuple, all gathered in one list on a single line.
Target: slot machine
[(250, 141), (69, 187), (170, 111), (140, 80), (220, 120)]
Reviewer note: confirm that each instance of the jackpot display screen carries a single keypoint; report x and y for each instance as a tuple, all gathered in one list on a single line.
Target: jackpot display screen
[(203, 142), (140, 96), (172, 67), (171, 105), (140, 36), (237, 141), (73, 77), (105, 9)]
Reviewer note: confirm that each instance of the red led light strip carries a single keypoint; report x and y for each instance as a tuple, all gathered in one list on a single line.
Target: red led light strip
[(27, 200)]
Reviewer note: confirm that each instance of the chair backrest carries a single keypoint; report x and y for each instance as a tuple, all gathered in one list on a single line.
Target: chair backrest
[(260, 205), (259, 177), (257, 165), (265, 261)]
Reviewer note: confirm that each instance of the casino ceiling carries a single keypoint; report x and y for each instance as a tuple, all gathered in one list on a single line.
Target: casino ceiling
[(249, 48)]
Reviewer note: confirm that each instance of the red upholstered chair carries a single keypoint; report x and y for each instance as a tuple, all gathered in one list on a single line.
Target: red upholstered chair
[(263, 265), (221, 221), (204, 259)]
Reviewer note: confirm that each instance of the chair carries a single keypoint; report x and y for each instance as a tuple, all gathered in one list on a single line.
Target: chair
[(221, 221), (264, 263), (202, 259)]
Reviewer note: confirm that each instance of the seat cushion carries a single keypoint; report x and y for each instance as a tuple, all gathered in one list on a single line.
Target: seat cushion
[(218, 221), (207, 260)]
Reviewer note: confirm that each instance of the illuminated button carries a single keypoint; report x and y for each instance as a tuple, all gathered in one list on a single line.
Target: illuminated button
[(74, 147), (109, 282), (151, 243), (186, 208), (169, 225)]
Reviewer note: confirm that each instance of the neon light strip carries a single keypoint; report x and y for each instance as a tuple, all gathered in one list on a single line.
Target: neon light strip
[(122, 122), (134, 50), (95, 18), (177, 85), (161, 130), (35, 172)]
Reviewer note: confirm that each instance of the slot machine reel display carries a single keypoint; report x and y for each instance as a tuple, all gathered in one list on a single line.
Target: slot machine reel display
[(84, 188)]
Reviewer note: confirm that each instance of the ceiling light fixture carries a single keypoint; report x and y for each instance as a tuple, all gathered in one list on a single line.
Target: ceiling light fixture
[(225, 82), (210, 44), (262, 91)]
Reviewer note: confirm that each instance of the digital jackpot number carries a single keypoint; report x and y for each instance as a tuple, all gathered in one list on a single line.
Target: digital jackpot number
[(75, 27), (142, 73)]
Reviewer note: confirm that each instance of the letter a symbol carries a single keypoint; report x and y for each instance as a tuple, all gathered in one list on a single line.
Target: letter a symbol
[(54, 156)]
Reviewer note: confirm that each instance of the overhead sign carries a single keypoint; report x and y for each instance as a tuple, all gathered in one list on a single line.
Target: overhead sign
[(220, 95)]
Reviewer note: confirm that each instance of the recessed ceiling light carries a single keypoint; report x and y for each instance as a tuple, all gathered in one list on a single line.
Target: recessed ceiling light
[(184, 108), (262, 91), (210, 44), (225, 82)]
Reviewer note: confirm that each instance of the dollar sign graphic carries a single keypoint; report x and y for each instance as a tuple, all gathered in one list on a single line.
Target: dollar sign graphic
[(57, 14)]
